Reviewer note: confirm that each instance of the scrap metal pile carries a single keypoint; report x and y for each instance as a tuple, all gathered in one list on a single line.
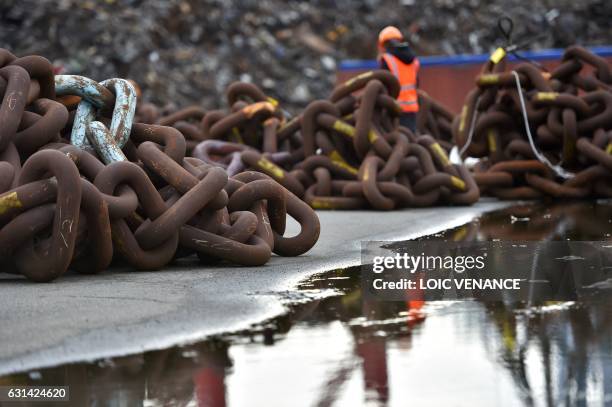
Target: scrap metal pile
[(538, 133), (346, 152), (82, 184), (189, 51)]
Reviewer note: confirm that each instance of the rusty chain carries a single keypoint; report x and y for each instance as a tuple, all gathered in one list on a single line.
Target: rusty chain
[(540, 134), (347, 152), (436, 120), (82, 184), (88, 176)]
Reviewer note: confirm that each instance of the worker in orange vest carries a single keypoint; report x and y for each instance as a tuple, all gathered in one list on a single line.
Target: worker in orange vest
[(397, 57)]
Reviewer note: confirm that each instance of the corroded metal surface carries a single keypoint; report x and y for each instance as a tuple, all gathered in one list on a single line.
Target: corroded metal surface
[(346, 152), (82, 185), (541, 133)]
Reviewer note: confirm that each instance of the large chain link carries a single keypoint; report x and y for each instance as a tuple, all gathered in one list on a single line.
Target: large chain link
[(96, 186)]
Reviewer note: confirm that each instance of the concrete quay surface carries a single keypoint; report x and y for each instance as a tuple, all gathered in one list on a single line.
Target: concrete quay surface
[(119, 312)]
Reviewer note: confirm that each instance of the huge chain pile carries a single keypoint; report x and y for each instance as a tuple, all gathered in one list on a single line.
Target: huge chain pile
[(81, 182), (346, 152), (539, 133)]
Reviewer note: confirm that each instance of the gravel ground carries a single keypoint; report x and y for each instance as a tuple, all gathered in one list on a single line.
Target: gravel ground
[(187, 51)]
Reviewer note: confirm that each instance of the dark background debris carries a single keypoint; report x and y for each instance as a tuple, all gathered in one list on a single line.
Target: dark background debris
[(188, 51)]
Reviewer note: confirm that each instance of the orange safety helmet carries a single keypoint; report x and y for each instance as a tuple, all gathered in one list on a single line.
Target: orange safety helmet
[(389, 33)]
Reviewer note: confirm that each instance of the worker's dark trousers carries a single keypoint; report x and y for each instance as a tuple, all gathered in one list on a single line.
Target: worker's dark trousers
[(408, 120)]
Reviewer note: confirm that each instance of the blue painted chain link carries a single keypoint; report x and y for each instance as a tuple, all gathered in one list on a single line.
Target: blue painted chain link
[(87, 132)]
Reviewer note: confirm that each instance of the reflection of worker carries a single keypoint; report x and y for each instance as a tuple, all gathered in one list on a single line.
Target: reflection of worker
[(397, 57)]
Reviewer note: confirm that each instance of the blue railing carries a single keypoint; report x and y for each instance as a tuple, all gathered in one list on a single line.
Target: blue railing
[(466, 59)]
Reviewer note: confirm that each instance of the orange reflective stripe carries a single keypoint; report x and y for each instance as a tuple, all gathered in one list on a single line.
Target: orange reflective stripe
[(407, 76)]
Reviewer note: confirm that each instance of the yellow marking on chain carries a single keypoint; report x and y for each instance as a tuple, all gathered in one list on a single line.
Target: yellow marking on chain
[(508, 335), (273, 101), (492, 139), (458, 183), (609, 148), (341, 162), (498, 55), (270, 168), (250, 110), (542, 96), (372, 136), (464, 111), (237, 136), (488, 79), (136, 218), (289, 123), (460, 234), (366, 174), (437, 149), (9, 201), (348, 117), (358, 77), (344, 128), (321, 204), (119, 243)]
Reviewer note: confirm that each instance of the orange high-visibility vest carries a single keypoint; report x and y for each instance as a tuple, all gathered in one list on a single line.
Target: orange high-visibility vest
[(407, 76)]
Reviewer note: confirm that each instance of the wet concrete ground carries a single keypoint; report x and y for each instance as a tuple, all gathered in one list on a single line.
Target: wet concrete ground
[(115, 313), (342, 349)]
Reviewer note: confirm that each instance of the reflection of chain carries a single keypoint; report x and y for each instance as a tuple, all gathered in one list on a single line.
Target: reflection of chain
[(532, 275)]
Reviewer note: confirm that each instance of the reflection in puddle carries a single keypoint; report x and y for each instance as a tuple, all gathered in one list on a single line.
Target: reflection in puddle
[(342, 350)]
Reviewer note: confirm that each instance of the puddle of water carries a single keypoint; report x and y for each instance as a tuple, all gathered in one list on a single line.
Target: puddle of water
[(343, 350)]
